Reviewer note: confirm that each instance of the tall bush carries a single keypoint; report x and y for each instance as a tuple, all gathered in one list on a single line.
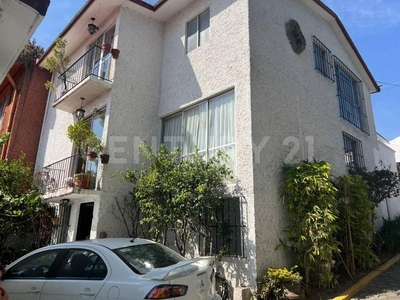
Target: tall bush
[(309, 197)]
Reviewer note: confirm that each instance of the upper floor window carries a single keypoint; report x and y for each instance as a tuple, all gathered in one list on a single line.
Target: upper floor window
[(353, 151), (351, 98), (3, 105), (198, 31), (323, 59), (209, 125)]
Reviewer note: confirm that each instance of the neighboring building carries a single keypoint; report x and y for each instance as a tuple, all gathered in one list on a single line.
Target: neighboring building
[(220, 74), (19, 20), (395, 143), (22, 105), (385, 157)]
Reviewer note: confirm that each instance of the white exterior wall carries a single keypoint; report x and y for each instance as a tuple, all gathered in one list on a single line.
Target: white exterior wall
[(297, 109), (220, 64), (133, 111), (390, 208), (395, 144)]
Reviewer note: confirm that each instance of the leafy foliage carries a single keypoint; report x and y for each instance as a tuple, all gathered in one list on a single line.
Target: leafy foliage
[(284, 275), (356, 224), (31, 52), (22, 212), (269, 289), (309, 197), (382, 183), (4, 138), (58, 62), (390, 234), (176, 196)]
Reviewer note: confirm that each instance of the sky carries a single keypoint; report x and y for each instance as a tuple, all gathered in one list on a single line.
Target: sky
[(374, 26)]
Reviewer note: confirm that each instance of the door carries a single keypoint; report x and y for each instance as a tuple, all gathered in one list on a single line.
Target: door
[(85, 221), (81, 275), (26, 279)]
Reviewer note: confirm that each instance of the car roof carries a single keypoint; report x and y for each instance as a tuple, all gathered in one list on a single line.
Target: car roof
[(112, 243)]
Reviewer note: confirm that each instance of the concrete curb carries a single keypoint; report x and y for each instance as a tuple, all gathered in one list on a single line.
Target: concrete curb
[(352, 291)]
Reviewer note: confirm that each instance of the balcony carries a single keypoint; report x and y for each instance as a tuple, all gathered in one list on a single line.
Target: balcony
[(88, 77), (63, 178)]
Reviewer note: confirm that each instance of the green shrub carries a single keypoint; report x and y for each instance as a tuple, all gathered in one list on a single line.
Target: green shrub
[(390, 234), (284, 275)]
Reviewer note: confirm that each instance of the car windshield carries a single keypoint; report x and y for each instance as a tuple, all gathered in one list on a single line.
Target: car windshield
[(146, 257)]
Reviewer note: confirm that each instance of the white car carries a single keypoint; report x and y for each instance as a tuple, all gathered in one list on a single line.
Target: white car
[(112, 269)]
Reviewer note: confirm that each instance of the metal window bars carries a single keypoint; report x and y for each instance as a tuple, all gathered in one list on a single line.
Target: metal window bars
[(353, 151), (323, 59), (351, 96)]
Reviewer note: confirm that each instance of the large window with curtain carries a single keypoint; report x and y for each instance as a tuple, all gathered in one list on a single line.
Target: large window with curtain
[(209, 125)]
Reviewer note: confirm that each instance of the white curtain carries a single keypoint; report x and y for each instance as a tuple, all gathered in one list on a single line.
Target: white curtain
[(222, 127), (195, 129), (173, 132)]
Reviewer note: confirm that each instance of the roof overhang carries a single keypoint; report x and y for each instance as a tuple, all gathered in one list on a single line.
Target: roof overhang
[(329, 15), (76, 31), (19, 19)]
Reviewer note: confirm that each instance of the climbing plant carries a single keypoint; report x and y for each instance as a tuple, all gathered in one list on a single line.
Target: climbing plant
[(309, 196)]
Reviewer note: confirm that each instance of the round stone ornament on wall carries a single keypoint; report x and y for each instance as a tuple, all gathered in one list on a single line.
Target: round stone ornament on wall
[(295, 36)]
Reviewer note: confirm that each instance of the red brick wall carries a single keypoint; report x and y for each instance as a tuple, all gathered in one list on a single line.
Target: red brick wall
[(29, 113)]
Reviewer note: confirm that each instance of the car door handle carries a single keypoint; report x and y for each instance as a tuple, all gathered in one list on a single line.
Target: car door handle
[(33, 292), (87, 293)]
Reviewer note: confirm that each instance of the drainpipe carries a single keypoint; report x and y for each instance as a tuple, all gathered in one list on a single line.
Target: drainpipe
[(10, 120)]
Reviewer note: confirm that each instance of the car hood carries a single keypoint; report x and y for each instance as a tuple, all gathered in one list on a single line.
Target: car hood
[(182, 268)]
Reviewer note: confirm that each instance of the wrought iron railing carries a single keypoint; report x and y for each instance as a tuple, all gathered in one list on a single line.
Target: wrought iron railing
[(92, 63)]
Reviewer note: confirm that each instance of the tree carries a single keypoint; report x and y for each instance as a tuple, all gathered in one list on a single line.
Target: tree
[(31, 52), (58, 63), (178, 196), (21, 209), (382, 183)]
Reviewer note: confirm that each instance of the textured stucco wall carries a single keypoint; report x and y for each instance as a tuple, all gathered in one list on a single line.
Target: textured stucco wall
[(296, 109), (133, 109), (220, 64)]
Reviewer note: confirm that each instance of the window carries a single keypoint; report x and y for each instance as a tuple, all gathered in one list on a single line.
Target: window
[(353, 151), (82, 264), (209, 125), (226, 233), (323, 59), (198, 31), (98, 63), (350, 94), (3, 105), (144, 258), (36, 266)]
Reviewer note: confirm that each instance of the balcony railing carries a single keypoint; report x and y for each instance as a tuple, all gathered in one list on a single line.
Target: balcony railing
[(92, 63), (65, 174)]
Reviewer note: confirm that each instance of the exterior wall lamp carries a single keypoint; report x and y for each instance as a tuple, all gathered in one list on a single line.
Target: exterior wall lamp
[(91, 27), (80, 112)]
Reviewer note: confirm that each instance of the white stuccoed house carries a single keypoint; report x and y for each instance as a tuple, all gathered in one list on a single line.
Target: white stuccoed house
[(266, 81)]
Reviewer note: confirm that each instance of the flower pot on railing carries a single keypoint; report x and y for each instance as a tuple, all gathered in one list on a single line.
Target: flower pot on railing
[(106, 47), (104, 158), (115, 53), (91, 154), (83, 181)]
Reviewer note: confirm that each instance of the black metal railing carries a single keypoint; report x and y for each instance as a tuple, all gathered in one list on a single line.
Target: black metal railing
[(57, 176), (93, 63), (353, 151), (323, 59)]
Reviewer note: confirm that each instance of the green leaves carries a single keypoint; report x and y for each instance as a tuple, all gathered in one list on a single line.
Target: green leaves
[(178, 196)]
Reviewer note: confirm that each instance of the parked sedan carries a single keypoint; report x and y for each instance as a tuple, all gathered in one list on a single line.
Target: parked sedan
[(111, 269)]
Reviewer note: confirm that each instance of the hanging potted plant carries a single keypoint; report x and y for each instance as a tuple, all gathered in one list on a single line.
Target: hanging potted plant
[(83, 139), (57, 63)]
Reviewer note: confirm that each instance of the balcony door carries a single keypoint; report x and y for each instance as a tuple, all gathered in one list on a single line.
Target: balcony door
[(98, 63), (96, 122)]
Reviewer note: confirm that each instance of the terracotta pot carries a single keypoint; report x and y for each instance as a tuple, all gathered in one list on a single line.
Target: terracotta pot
[(104, 158), (106, 47), (83, 181), (91, 154), (115, 53)]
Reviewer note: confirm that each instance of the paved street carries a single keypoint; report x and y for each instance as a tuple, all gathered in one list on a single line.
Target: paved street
[(384, 287)]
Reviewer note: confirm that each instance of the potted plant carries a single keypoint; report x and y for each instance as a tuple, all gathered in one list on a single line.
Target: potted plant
[(279, 283), (83, 139), (57, 63)]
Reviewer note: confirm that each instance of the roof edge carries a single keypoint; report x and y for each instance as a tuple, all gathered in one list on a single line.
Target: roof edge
[(349, 39)]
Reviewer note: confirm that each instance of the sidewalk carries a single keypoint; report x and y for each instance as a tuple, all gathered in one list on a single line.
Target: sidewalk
[(385, 286)]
